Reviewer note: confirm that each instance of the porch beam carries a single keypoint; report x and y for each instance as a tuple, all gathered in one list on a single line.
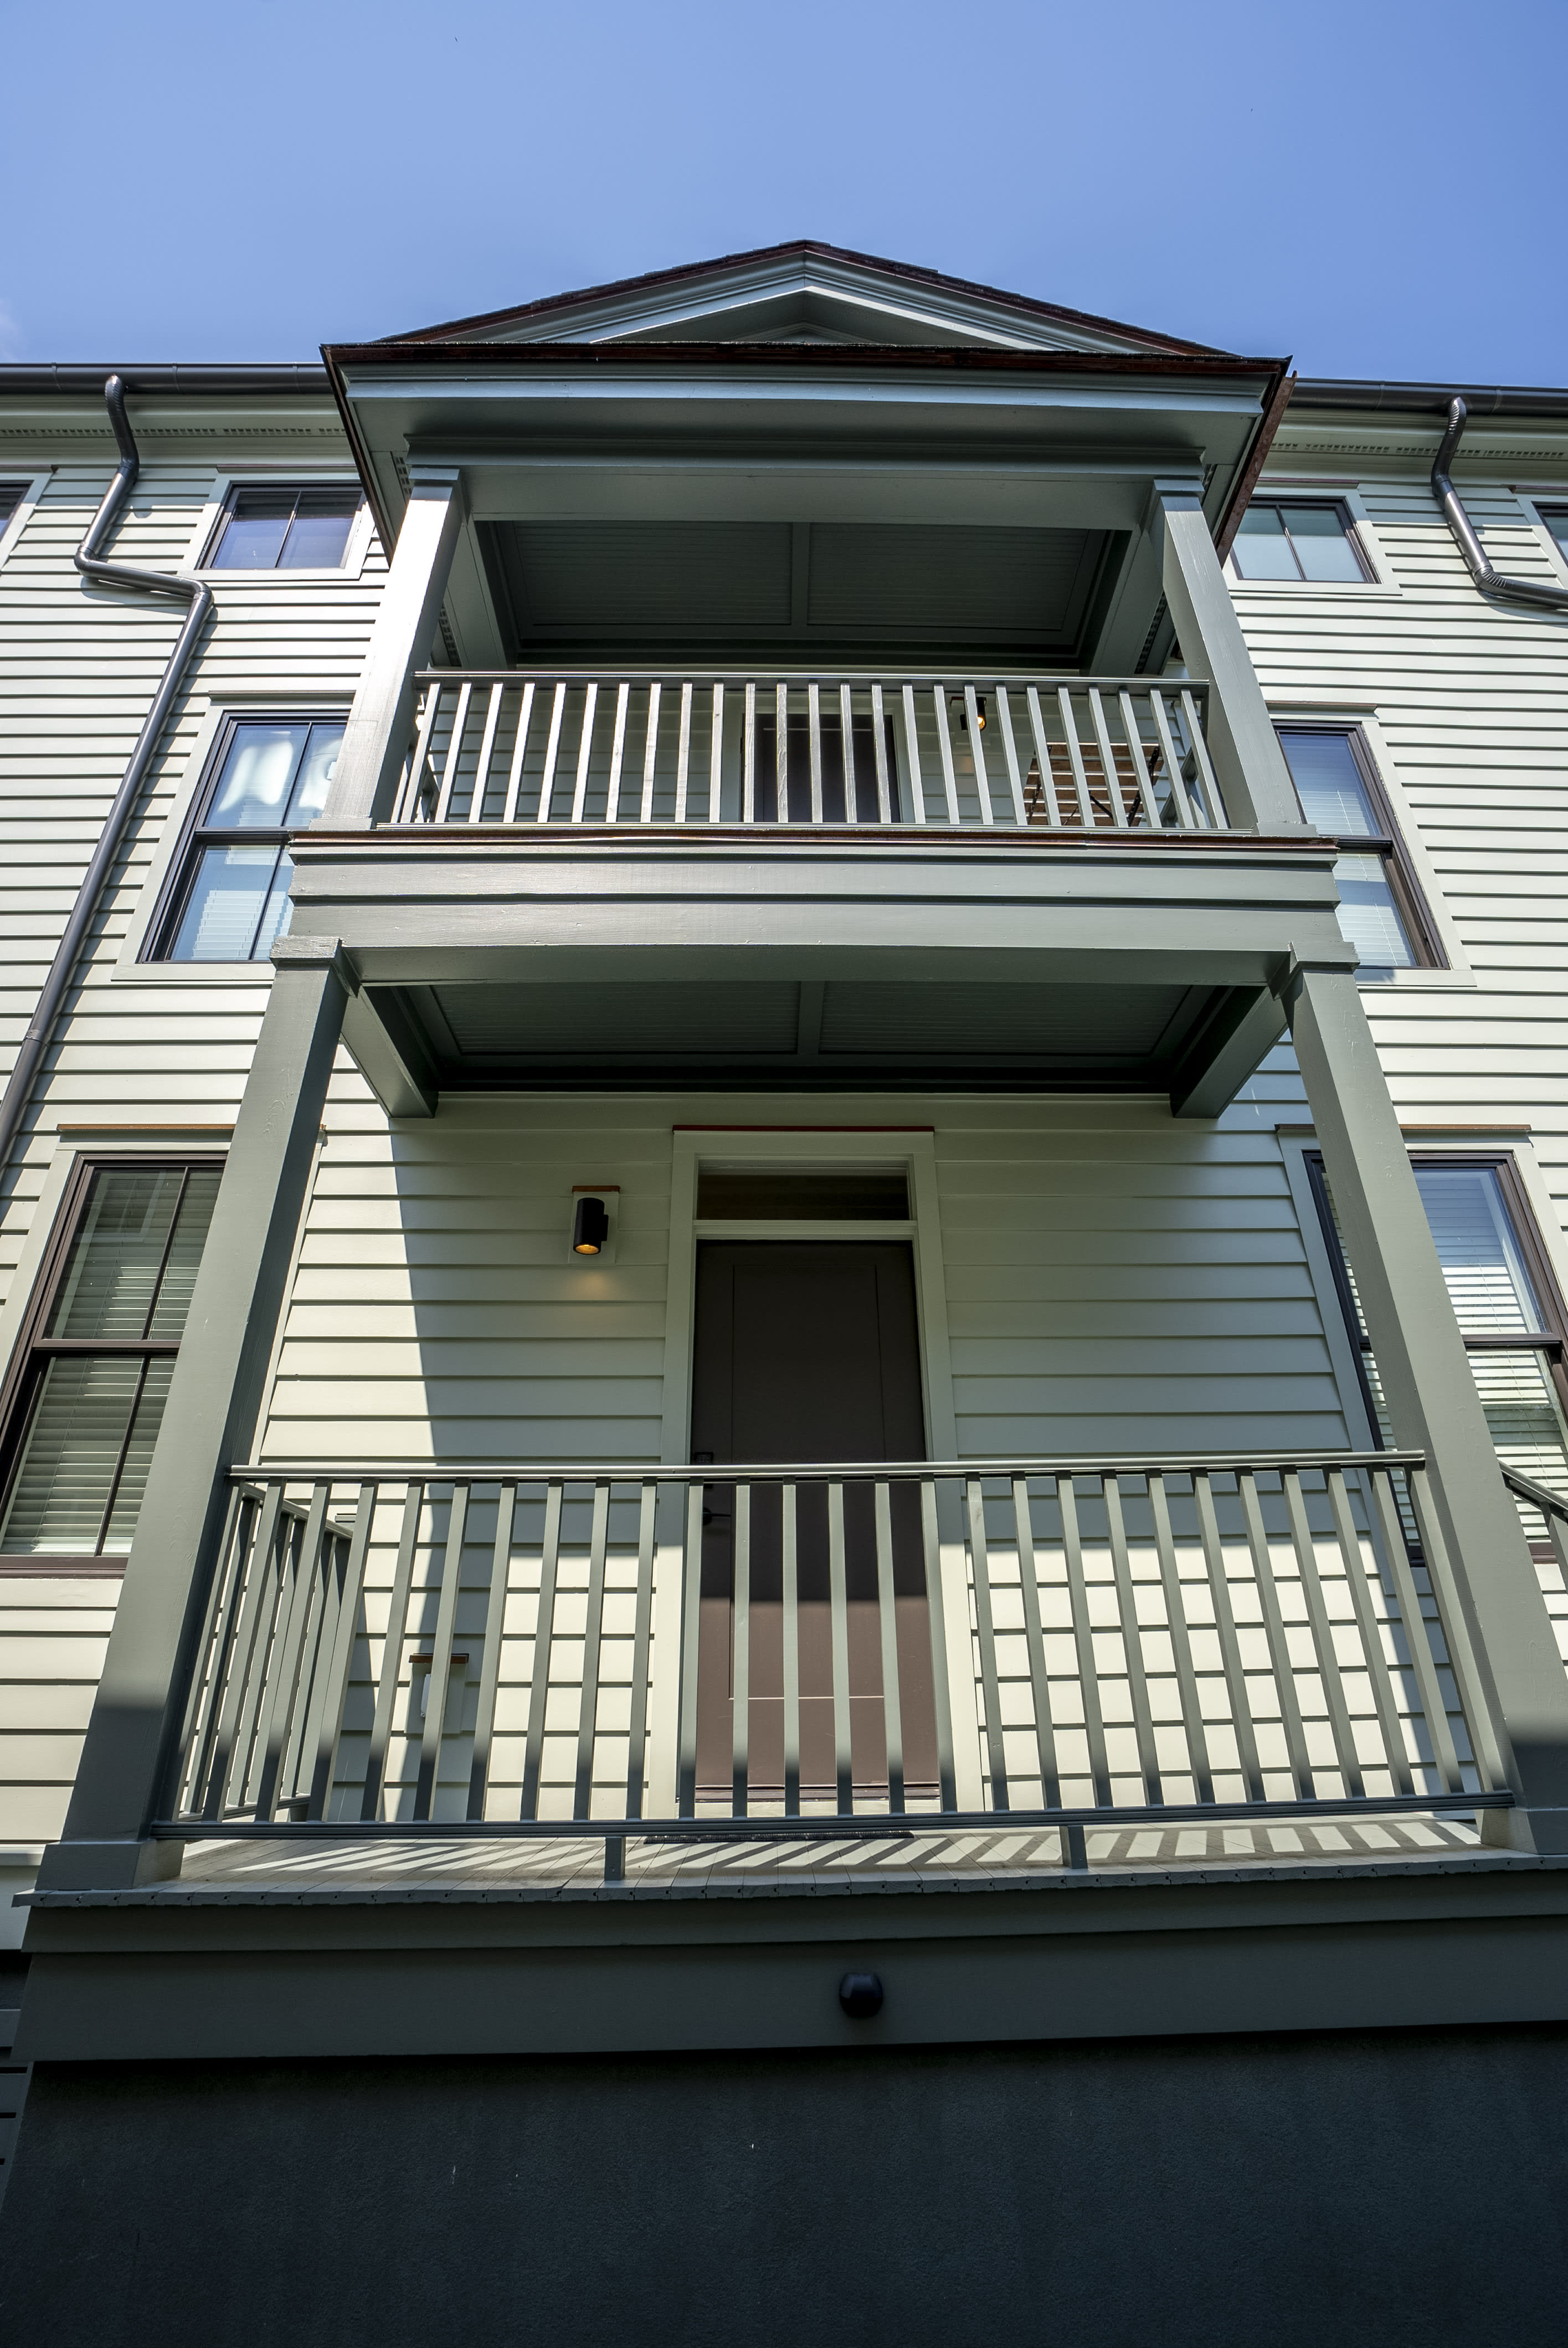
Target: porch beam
[(375, 740), (1249, 764), (219, 1376), (1431, 1399)]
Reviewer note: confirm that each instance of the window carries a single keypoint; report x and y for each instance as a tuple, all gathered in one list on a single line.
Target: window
[(1381, 909), (285, 530), (11, 496), (1556, 520), (95, 1367), (1286, 541), (1504, 1300), (268, 777)]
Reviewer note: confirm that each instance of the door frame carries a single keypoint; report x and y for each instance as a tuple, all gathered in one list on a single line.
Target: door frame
[(911, 1147)]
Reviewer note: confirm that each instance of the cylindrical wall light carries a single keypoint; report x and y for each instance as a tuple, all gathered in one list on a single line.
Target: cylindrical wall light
[(590, 1227)]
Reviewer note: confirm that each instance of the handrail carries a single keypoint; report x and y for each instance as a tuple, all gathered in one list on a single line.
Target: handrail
[(771, 1472)]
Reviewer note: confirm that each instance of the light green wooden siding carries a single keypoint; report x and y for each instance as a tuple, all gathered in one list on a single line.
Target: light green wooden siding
[(53, 1634)]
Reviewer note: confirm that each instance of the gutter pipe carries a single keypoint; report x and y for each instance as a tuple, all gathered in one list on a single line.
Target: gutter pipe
[(199, 595), (1477, 560)]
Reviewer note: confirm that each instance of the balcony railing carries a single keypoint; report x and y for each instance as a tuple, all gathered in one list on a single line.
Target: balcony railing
[(1067, 754), (828, 1651)]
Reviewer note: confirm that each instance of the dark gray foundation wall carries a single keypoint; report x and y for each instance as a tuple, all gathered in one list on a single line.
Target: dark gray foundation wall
[(1366, 2189)]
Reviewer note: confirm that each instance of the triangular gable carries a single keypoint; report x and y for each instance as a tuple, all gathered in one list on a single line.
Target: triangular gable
[(803, 293)]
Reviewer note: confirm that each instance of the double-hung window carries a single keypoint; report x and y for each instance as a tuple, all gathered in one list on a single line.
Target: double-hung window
[(11, 496), (267, 778), (1504, 1300), (1556, 520), (97, 1357), (1382, 909), (285, 529), (1311, 542)]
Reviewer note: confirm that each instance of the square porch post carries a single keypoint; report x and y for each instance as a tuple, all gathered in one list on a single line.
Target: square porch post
[(210, 1421), (1433, 1403)]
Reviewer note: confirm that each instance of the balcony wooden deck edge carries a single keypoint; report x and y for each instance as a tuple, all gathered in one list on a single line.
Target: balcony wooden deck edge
[(463, 838)]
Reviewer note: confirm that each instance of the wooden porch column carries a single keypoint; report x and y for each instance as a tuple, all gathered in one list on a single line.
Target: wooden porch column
[(216, 1392), (1431, 1399), (1249, 764), (375, 741)]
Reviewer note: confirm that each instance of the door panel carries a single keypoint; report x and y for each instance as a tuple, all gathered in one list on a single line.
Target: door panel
[(809, 1352)]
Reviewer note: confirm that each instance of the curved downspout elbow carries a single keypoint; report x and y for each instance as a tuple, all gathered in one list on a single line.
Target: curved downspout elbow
[(1477, 561), (199, 596)]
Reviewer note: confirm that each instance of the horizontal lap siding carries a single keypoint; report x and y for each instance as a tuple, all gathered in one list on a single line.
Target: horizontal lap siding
[(52, 1640), (1472, 699)]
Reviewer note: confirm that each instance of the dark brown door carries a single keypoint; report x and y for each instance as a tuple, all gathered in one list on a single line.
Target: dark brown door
[(809, 1352)]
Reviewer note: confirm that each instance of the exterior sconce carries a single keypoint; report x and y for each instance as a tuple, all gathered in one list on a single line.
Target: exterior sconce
[(961, 710), (595, 1214)]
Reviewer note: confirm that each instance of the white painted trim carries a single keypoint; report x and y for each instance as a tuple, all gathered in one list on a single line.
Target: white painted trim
[(1527, 499), (316, 475), (32, 496), (914, 1148)]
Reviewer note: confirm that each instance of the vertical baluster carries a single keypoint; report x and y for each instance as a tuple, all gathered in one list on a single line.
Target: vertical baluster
[(1371, 1632), (1462, 1661), (1086, 815), (977, 748), (790, 1654), (888, 1619), (392, 1651), (814, 734), (935, 1612), (329, 1718), (1279, 1646), (683, 752), (1322, 1634), (203, 1696), (552, 753), (1212, 800), (641, 1640), (945, 745), (617, 752), (1189, 822), (1040, 1683), (1009, 752), (1083, 1640), (1230, 1645), (1131, 1641), (1140, 764), (1106, 748), (879, 752), (846, 735), (1042, 759), (544, 1639), (838, 1601), (716, 757), (519, 753), (281, 1565), (980, 1576), (494, 1632), (317, 1620), (1417, 1646), (1180, 1645), (780, 754), (686, 1758), (593, 1634), (453, 751), (650, 752), (486, 752), (912, 753), (284, 1662), (749, 757), (441, 1656), (245, 1664), (584, 751), (411, 798), (741, 1722)]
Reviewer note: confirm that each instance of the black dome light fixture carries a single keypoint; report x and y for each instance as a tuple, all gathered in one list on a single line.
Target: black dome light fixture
[(860, 1996), (961, 711), (589, 1227)]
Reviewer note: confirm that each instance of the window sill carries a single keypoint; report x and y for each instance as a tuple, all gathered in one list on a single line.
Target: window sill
[(50, 1567), (230, 576), (191, 974), (1350, 588), (1402, 982)]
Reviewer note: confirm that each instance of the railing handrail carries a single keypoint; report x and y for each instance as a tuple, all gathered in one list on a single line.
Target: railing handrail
[(805, 672), (772, 1471), (1550, 1503)]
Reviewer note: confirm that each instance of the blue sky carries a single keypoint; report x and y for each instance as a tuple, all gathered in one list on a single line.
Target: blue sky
[(1374, 186)]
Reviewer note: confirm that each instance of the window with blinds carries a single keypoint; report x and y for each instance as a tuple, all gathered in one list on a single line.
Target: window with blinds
[(94, 1371), (1504, 1300)]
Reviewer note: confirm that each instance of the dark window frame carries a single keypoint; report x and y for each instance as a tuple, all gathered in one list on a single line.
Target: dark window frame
[(1277, 501), (1389, 844), (1550, 1341), (280, 487), (196, 835), (33, 1351), (1554, 523)]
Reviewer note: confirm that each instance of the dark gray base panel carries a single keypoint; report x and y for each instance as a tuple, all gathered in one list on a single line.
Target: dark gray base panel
[(1371, 2187)]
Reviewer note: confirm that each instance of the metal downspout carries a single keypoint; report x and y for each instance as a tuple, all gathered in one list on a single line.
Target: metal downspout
[(1489, 581), (88, 561)]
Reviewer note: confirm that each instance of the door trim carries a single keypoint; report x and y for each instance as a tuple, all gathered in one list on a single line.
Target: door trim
[(913, 1148)]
